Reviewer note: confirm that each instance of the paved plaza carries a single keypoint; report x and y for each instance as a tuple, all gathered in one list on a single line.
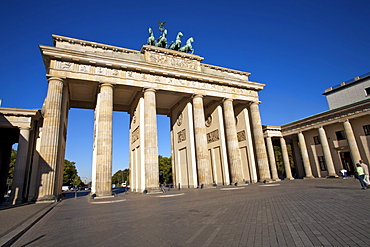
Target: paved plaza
[(314, 212)]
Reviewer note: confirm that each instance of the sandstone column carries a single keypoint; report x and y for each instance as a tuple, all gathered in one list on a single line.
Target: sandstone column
[(235, 163), (48, 166), (327, 154), (104, 129), (352, 142), (204, 171), (20, 167), (151, 141), (259, 142), (306, 160), (284, 151), (271, 154)]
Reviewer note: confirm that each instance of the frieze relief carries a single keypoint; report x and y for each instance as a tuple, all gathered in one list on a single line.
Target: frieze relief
[(241, 136), (173, 61), (181, 136), (213, 136), (135, 135), (143, 77)]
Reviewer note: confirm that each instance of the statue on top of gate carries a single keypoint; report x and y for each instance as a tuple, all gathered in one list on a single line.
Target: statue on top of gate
[(174, 45)]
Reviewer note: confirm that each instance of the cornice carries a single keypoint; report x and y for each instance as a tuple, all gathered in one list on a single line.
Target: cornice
[(333, 116), (54, 53)]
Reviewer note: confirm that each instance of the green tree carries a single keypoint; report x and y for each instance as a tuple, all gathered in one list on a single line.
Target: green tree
[(279, 159), (165, 169), (120, 176), (13, 157), (70, 175)]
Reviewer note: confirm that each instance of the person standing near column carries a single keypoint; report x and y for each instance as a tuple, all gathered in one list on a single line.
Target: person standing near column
[(366, 172)]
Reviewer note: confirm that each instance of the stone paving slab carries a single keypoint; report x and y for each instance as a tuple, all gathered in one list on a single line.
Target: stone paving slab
[(315, 212), (15, 220)]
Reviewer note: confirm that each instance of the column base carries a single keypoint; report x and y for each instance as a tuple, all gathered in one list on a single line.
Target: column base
[(47, 198), (308, 177), (333, 175), (266, 180), (289, 178), (152, 190), (103, 194)]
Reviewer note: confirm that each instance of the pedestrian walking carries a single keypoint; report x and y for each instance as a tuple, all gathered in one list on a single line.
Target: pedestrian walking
[(366, 172), (360, 175), (344, 173)]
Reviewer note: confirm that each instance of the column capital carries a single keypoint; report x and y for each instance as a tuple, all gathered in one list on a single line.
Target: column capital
[(54, 78), (149, 89), (227, 99), (101, 84), (197, 96), (254, 102)]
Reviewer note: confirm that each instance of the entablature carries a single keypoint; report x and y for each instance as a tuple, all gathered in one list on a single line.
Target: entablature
[(340, 114)]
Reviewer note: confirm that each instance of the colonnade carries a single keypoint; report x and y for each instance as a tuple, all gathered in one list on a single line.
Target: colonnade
[(327, 148), (55, 118)]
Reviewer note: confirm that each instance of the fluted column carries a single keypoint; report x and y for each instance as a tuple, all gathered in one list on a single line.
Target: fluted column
[(352, 142), (259, 142), (48, 166), (306, 160), (20, 167), (151, 141), (104, 127), (203, 163), (270, 151), (284, 151), (235, 162), (327, 154)]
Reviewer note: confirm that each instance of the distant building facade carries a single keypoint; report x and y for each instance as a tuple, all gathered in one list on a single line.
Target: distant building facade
[(330, 141)]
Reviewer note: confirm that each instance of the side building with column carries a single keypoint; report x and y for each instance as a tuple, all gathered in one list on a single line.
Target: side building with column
[(323, 144)]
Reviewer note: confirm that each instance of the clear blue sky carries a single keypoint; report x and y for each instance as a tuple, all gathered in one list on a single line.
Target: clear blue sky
[(297, 48)]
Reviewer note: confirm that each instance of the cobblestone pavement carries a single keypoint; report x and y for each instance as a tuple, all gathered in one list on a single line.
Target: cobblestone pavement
[(315, 212)]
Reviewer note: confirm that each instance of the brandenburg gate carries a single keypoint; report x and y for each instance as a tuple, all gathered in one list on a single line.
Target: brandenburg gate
[(216, 132)]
